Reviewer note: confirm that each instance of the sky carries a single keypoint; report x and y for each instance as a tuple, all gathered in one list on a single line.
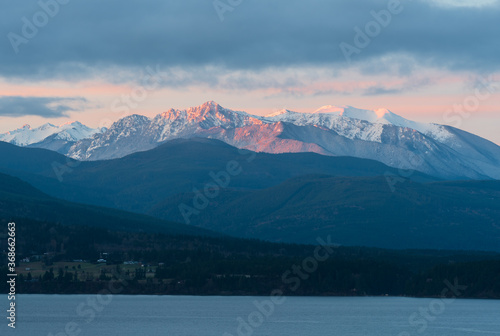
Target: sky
[(98, 61)]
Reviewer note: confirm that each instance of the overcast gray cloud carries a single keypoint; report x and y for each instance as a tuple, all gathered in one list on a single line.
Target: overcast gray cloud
[(81, 37), (48, 107)]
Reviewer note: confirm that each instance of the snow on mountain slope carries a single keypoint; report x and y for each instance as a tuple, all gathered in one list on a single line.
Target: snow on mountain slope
[(341, 118), (127, 135), (26, 135)]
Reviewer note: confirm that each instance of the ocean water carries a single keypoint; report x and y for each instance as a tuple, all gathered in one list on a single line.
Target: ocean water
[(71, 315)]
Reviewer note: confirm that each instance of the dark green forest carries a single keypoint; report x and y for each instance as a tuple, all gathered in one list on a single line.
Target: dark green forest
[(63, 259)]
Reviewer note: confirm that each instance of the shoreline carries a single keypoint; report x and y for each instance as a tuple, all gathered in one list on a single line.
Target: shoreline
[(262, 295)]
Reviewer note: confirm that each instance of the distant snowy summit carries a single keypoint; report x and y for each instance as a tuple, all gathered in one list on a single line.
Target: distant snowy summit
[(72, 131), (381, 135)]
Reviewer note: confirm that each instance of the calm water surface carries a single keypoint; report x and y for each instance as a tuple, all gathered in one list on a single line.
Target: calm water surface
[(67, 315)]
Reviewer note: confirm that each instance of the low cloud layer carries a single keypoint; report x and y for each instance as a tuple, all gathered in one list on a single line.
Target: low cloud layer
[(47, 107)]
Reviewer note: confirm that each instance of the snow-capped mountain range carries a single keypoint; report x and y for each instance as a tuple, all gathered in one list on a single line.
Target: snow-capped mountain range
[(381, 135)]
